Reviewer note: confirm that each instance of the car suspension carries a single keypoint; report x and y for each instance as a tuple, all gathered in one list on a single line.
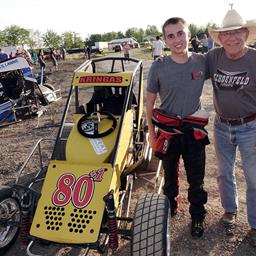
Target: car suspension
[(112, 221), (25, 220)]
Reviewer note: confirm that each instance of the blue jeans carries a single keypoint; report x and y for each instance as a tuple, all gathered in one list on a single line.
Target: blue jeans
[(227, 139)]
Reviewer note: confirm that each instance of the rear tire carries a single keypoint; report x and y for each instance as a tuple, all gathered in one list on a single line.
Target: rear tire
[(151, 226), (49, 86), (9, 212)]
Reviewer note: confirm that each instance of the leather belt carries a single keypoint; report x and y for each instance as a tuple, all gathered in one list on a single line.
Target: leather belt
[(238, 121)]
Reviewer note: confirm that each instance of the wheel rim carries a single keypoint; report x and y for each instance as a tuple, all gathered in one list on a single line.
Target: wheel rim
[(9, 211)]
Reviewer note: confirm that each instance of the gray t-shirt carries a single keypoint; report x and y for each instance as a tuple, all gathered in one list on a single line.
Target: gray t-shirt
[(179, 85), (234, 83)]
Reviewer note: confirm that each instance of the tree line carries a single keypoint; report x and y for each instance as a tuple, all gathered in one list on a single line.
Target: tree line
[(15, 35)]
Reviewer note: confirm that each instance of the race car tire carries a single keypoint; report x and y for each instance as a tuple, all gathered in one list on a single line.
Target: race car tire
[(40, 96), (51, 87), (9, 206), (151, 226)]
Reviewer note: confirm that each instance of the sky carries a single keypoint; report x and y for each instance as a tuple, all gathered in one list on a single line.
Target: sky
[(87, 17)]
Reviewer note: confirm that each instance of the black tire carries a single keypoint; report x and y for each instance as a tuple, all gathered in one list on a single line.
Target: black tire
[(151, 226), (9, 206), (40, 96), (49, 86)]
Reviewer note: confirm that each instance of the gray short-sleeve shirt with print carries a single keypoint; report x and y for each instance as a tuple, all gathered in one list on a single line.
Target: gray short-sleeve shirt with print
[(179, 85)]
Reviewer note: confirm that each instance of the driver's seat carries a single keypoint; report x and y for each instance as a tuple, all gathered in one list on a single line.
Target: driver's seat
[(104, 99)]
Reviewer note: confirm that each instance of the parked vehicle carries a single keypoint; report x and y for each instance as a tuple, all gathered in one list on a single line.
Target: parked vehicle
[(88, 183), (23, 94), (118, 48)]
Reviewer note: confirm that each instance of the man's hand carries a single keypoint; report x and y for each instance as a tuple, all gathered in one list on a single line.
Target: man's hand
[(152, 140)]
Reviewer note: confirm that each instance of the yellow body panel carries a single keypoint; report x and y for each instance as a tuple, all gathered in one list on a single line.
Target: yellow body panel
[(100, 79), (125, 138), (77, 221), (80, 149)]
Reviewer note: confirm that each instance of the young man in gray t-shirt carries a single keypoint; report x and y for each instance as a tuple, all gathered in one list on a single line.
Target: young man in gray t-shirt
[(178, 80)]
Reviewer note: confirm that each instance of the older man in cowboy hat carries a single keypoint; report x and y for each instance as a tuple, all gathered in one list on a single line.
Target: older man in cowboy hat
[(233, 73)]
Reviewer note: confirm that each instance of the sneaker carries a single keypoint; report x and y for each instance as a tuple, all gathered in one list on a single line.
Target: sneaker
[(252, 237), (197, 228), (228, 219)]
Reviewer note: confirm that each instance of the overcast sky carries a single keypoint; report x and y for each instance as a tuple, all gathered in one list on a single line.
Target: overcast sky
[(100, 16)]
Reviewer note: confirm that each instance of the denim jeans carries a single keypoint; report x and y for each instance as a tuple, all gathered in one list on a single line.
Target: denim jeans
[(227, 140)]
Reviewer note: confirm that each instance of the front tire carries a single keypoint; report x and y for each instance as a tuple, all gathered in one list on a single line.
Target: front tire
[(9, 218), (151, 226)]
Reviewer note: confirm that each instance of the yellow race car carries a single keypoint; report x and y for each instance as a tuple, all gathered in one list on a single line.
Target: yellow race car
[(87, 186)]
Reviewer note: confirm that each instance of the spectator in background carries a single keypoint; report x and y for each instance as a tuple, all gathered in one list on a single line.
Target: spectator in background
[(195, 44), (126, 49), (18, 53), (34, 57), (3, 55), (88, 52), (63, 53), (157, 48), (210, 43), (204, 42), (27, 56), (41, 58), (11, 55), (54, 59)]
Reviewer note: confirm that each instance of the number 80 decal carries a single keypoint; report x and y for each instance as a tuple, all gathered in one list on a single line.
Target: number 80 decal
[(79, 191)]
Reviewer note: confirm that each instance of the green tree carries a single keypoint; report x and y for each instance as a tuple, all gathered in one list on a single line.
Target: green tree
[(199, 30), (138, 34), (35, 39), (119, 34), (15, 35), (109, 36), (94, 38), (68, 39), (77, 41), (2, 41), (151, 31), (52, 39), (193, 29)]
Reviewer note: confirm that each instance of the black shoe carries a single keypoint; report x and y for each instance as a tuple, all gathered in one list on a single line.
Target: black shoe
[(197, 228)]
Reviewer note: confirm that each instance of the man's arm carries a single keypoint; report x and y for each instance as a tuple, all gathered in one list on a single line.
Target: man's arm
[(151, 98)]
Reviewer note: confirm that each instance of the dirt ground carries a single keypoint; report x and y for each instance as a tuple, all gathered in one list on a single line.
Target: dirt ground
[(17, 141)]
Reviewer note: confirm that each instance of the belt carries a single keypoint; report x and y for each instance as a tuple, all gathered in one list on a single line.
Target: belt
[(238, 121)]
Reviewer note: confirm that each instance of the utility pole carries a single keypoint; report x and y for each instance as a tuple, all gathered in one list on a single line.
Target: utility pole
[(231, 6)]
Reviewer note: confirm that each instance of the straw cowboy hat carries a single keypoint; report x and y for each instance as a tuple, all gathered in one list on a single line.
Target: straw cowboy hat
[(233, 21)]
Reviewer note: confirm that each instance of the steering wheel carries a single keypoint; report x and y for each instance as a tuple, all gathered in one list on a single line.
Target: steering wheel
[(89, 123)]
